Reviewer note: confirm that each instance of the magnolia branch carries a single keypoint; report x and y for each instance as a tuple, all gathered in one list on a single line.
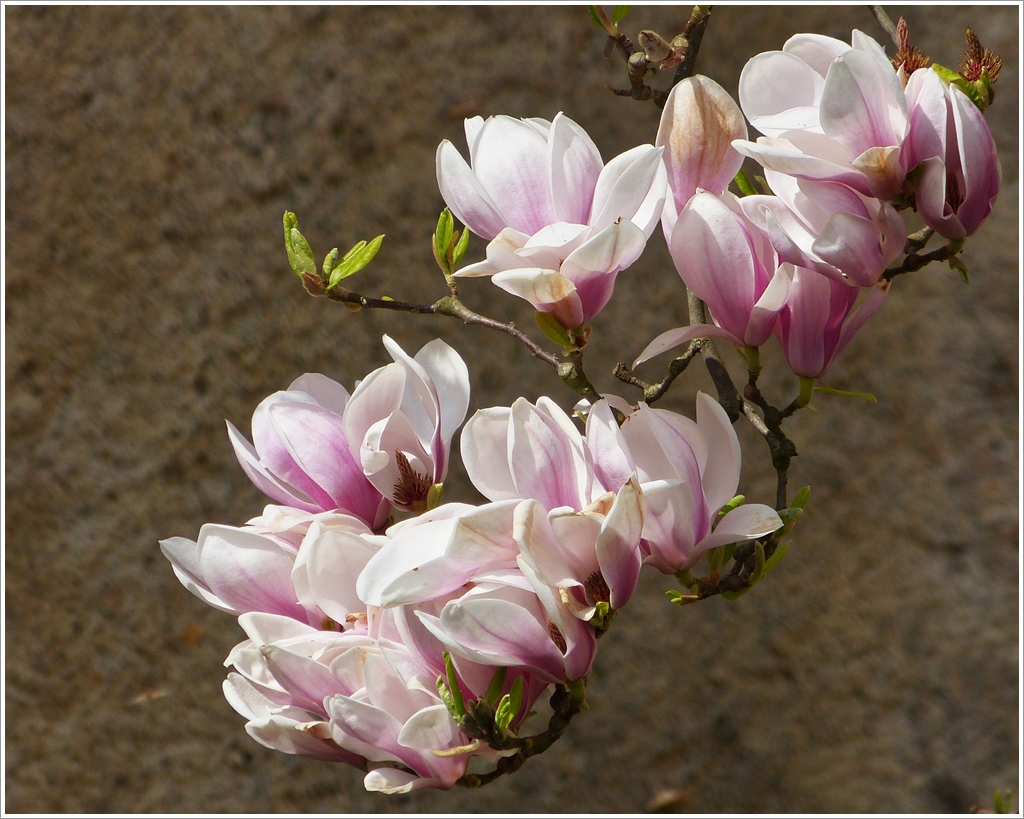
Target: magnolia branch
[(569, 369)]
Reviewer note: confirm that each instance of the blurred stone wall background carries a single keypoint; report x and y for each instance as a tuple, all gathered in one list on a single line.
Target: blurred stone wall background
[(150, 155)]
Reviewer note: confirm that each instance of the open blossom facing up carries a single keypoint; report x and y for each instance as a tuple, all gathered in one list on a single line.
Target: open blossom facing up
[(562, 224)]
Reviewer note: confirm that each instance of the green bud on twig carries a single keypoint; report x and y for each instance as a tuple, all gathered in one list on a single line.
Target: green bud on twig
[(358, 257), (300, 254)]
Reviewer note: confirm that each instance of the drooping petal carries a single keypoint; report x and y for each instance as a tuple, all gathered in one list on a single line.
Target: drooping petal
[(618, 545), (484, 446), (547, 290), (464, 194)]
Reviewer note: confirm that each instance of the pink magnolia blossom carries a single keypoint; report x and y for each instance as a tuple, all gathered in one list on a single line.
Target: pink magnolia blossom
[(820, 318), (829, 113), (828, 227), (562, 224), (960, 173), (687, 472), (729, 264), (698, 125), (300, 455), (401, 418)]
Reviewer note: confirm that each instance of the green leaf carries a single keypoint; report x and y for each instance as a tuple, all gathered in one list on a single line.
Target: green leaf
[(443, 234), (356, 259), (594, 18), (446, 698), (744, 184), (727, 554), (758, 563), (497, 684), (725, 510), (330, 261), (800, 501), (1002, 802), (776, 557), (459, 253), (553, 329), (435, 493), (735, 595), (300, 255), (833, 391), (715, 558), (619, 12), (950, 77)]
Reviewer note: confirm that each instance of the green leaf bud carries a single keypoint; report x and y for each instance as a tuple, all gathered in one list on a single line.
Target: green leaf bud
[(497, 684), (300, 255), (356, 259), (553, 329), (619, 12), (461, 246)]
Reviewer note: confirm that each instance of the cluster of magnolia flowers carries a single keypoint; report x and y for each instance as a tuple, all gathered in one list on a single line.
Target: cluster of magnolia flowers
[(367, 636)]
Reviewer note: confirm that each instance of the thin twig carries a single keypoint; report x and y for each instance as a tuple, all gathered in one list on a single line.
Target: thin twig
[(728, 395), (915, 262), (694, 33), (885, 21), (652, 392)]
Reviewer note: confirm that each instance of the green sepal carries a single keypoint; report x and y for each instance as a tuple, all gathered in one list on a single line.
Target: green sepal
[(619, 12), (443, 234), (300, 254), (508, 708), (458, 707), (553, 329), (434, 496), (725, 510), (727, 552), (950, 77), (762, 183), (776, 558), (493, 693), (985, 89), (758, 562), (956, 263), (715, 558), (356, 259), (459, 252), (577, 690), (833, 391), (447, 699), (744, 184), (601, 615)]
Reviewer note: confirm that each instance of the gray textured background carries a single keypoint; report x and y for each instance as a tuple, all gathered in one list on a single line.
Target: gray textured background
[(150, 155)]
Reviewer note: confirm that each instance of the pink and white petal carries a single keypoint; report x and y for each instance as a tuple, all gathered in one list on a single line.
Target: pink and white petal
[(817, 50), (400, 573), (543, 459), (669, 519), (473, 126), (613, 465), (484, 446), (624, 185), (547, 290), (511, 163), (867, 306), (650, 211), (282, 732), (327, 392), (698, 125), (979, 161), (851, 244), (464, 195), (305, 679), (184, 556), (366, 730), (765, 314), (266, 481), (721, 474), (614, 248), (575, 167), (450, 377), (393, 780), (855, 103), (429, 729), (329, 563), (618, 545), (779, 92), (376, 397), (680, 335)]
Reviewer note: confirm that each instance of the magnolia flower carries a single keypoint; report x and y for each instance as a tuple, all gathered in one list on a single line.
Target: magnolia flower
[(829, 112), (698, 125), (687, 472), (300, 455), (828, 227), (401, 419), (820, 318), (562, 223), (729, 264), (949, 138), (301, 566)]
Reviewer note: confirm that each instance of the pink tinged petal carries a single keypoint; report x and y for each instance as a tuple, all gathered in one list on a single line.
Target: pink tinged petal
[(765, 314), (930, 199), (420, 402), (429, 729), (650, 211), (464, 195), (505, 632), (393, 780), (593, 266), (979, 161), (856, 102), (869, 304), (326, 570), (511, 163), (803, 323), (473, 126), (407, 569), (248, 700), (680, 335), (547, 290), (712, 252), (668, 524), (745, 522), (883, 170), (817, 50), (265, 480), (561, 557), (546, 457), (184, 556), (721, 474), (315, 439), (484, 447), (575, 167), (779, 92), (306, 680), (852, 245), (625, 185), (928, 115), (328, 393), (391, 435), (894, 96), (450, 378), (247, 571), (282, 732), (366, 730), (618, 545), (807, 156), (698, 125), (613, 465)]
